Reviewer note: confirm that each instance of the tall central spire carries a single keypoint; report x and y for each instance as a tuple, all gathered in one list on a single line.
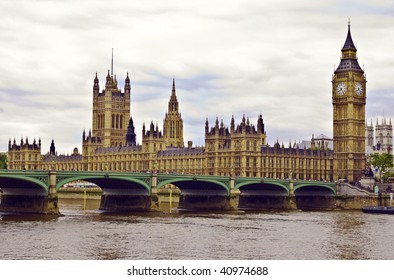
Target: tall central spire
[(173, 103), (173, 123)]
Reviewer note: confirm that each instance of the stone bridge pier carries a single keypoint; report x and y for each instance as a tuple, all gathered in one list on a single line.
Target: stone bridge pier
[(127, 196), (24, 196)]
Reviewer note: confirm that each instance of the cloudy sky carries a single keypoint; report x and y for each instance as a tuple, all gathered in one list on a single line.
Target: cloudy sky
[(274, 58)]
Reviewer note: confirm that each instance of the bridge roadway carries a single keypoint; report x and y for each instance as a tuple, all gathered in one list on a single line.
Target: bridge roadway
[(36, 191)]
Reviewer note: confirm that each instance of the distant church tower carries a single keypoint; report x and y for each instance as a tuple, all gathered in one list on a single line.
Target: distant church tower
[(384, 136), (111, 110), (173, 123), (349, 99), (383, 140)]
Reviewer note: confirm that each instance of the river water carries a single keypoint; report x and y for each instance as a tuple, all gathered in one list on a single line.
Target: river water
[(91, 234)]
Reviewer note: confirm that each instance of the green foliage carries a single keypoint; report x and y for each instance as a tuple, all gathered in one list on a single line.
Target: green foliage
[(3, 161), (382, 161), (387, 175)]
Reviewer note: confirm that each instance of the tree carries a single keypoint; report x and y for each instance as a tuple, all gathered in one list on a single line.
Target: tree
[(3, 161), (387, 175), (382, 162)]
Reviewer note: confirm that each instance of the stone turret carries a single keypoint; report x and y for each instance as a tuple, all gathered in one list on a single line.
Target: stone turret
[(26, 156), (52, 148), (152, 139), (130, 136), (111, 110)]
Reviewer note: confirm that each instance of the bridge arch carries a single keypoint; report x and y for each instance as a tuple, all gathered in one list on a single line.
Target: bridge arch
[(275, 188), (23, 185), (196, 185), (199, 192), (314, 189), (315, 195), (106, 182), (262, 194)]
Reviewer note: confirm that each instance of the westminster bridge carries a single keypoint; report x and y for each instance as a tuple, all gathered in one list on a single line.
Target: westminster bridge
[(36, 191)]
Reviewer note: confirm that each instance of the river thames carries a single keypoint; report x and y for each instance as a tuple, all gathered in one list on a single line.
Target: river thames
[(291, 235)]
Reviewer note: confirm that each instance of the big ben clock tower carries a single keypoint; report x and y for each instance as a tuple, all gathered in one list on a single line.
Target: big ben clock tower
[(348, 99)]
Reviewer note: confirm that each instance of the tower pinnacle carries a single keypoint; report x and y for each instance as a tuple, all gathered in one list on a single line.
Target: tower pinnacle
[(173, 86), (349, 55), (349, 45)]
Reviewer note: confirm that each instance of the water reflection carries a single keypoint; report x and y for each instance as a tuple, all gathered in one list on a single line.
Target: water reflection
[(20, 218), (72, 204), (349, 239), (93, 234)]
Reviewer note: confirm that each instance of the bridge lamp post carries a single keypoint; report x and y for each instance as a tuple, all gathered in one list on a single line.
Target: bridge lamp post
[(231, 171), (291, 183), (154, 166), (195, 165)]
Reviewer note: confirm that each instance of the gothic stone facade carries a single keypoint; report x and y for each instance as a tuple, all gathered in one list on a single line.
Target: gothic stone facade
[(349, 99), (237, 150)]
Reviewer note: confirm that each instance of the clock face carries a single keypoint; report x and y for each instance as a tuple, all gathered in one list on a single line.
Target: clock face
[(341, 88), (358, 89)]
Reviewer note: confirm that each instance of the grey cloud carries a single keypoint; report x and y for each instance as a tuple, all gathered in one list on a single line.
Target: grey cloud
[(379, 103), (19, 96), (17, 92), (269, 57), (202, 81)]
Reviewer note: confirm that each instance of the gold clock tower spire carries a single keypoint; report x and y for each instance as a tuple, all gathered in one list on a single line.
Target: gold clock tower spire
[(349, 99)]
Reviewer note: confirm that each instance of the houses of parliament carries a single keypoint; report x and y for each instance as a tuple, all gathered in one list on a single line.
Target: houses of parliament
[(239, 149)]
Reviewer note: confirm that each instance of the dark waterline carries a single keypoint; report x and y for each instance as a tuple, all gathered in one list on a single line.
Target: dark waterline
[(91, 234)]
